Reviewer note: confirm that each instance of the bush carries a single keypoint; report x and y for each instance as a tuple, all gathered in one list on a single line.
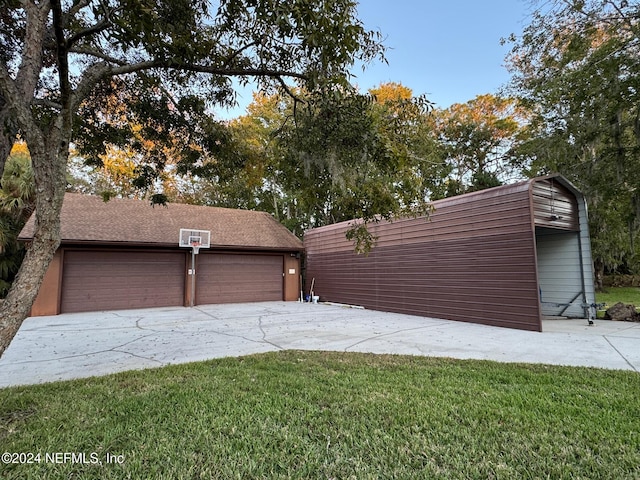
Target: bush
[(621, 281)]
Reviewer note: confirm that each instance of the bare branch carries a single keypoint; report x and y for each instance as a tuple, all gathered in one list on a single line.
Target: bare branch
[(92, 76), (61, 51), (100, 26), (15, 103), (238, 52), (624, 18), (251, 72), (210, 69), (100, 71), (97, 54), (77, 6), (97, 28), (286, 88), (47, 103)]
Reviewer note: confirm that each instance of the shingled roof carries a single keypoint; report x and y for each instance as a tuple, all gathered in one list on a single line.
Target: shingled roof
[(89, 219)]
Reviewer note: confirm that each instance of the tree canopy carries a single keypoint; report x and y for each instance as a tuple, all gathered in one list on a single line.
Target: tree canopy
[(576, 69), (478, 140), (365, 156), (178, 57)]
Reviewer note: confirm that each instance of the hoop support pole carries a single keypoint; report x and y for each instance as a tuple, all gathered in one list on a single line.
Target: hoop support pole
[(193, 276)]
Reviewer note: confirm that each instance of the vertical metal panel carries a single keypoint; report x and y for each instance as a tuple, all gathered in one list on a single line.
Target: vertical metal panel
[(473, 260), (560, 272)]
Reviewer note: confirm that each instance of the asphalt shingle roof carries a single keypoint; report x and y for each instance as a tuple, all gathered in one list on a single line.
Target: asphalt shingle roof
[(87, 218)]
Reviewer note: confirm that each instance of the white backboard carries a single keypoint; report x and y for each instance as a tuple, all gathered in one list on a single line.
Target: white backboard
[(191, 237)]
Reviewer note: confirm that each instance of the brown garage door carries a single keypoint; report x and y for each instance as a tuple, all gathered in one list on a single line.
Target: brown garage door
[(229, 278), (119, 280)]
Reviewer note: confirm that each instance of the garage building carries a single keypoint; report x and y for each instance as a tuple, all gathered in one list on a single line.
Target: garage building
[(124, 254), (505, 256)]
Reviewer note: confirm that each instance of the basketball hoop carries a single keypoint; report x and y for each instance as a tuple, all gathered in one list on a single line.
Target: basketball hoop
[(195, 245), (196, 239)]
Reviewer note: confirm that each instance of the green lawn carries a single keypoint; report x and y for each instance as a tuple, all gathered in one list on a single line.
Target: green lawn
[(613, 295), (329, 415)]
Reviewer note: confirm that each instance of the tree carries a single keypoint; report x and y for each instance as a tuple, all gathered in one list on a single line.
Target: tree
[(407, 129), (16, 205), (365, 156), (55, 54), (576, 68), (478, 138)]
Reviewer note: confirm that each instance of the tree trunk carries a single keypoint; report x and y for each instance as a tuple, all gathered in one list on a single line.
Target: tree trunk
[(16, 307), (50, 185), (599, 275), (7, 137)]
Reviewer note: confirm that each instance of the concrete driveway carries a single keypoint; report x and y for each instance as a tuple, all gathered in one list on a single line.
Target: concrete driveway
[(86, 344)]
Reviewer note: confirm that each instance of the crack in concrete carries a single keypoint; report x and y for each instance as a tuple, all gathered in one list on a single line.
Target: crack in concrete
[(620, 353), (264, 335), (232, 335), (617, 334), (376, 337), (86, 354), (139, 356)]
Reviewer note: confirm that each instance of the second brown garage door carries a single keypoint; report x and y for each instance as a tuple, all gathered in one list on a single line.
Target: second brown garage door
[(236, 278), (101, 280)]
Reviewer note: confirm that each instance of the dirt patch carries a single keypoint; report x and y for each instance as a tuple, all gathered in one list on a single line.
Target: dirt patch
[(622, 312)]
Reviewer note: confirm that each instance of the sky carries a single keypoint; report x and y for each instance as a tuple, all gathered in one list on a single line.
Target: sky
[(448, 50)]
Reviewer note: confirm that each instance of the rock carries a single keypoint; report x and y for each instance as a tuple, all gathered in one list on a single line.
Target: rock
[(622, 312)]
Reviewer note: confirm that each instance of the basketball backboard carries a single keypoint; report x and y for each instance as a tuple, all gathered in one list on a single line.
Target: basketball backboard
[(190, 237)]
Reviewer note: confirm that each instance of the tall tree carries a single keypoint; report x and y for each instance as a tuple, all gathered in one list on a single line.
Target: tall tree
[(576, 67), (380, 167), (478, 139), (54, 54)]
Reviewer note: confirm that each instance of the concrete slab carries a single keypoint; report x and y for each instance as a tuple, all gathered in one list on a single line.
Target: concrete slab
[(81, 345)]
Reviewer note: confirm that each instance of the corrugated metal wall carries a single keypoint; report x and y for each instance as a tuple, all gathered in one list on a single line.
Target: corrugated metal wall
[(559, 272), (565, 269), (503, 256), (474, 260), (554, 205)]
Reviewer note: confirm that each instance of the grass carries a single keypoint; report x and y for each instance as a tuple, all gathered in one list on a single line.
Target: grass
[(613, 295), (330, 415)]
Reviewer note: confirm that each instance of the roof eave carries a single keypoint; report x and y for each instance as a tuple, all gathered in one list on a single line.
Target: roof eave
[(66, 242)]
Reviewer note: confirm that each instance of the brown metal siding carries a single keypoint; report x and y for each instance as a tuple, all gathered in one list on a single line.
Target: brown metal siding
[(554, 206), (112, 280), (235, 278), (473, 260)]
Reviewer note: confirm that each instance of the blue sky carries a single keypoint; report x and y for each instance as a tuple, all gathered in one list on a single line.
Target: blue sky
[(449, 50)]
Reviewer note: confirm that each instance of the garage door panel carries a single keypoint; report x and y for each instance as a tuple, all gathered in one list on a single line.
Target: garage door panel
[(232, 278), (121, 280)]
